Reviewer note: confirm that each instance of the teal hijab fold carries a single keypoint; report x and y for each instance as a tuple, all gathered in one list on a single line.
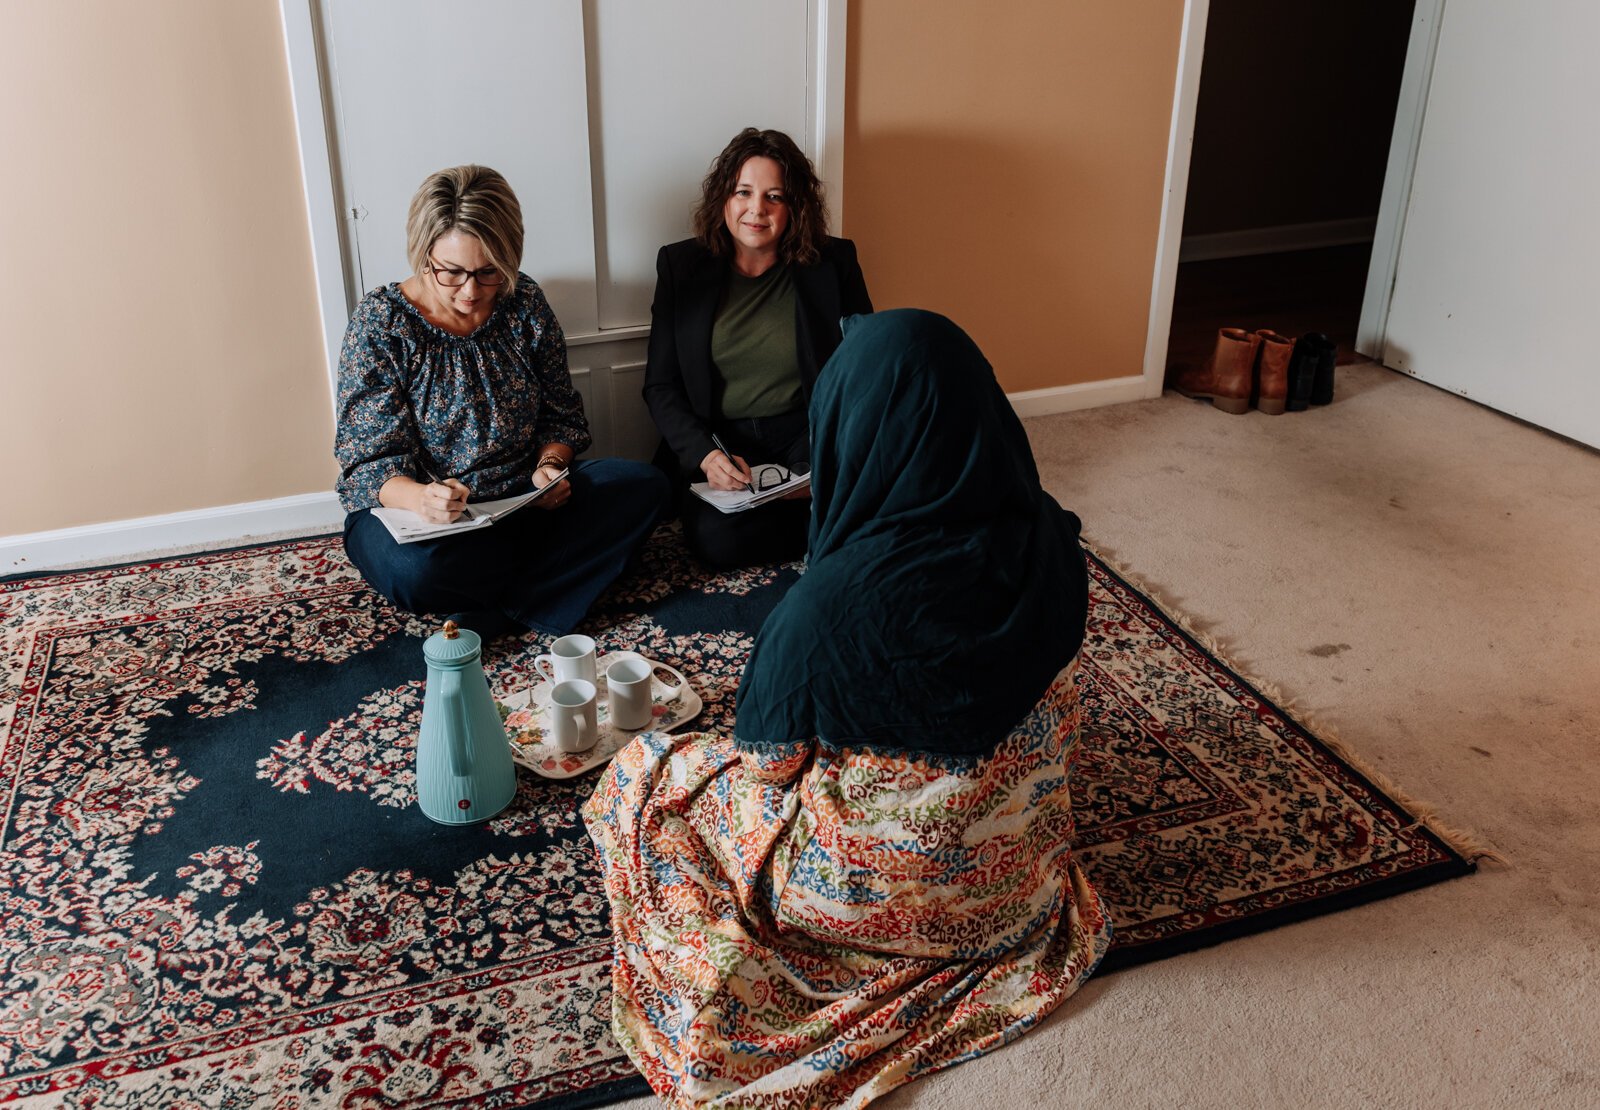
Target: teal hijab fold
[(944, 588)]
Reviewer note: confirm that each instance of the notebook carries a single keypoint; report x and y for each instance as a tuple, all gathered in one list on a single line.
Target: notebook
[(738, 500), (407, 527)]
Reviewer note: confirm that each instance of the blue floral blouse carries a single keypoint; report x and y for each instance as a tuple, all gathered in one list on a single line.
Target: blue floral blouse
[(413, 398)]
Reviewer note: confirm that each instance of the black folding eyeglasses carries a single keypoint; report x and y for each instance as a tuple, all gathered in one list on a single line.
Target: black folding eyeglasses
[(454, 278), (771, 476)]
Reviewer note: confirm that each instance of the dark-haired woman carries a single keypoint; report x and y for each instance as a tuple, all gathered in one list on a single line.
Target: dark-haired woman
[(745, 315), (873, 878)]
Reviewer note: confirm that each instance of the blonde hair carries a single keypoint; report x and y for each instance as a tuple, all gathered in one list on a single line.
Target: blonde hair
[(472, 199)]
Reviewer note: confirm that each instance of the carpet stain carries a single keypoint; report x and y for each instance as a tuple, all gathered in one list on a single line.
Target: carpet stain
[(1323, 651), (1480, 751)]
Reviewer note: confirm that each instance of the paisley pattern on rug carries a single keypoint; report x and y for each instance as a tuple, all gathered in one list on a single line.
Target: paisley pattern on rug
[(214, 890)]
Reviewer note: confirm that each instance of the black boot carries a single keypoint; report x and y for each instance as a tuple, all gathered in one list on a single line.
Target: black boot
[(1303, 370), (1322, 380)]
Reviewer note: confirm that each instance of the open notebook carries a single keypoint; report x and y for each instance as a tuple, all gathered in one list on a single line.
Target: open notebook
[(738, 500), (407, 527)]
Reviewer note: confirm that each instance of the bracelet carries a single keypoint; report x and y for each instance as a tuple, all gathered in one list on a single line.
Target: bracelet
[(551, 460)]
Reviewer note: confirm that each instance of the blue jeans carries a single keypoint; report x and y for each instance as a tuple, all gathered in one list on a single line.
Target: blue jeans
[(542, 568)]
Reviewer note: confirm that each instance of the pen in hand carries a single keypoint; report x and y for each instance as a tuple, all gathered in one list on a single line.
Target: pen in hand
[(466, 513), (717, 443)]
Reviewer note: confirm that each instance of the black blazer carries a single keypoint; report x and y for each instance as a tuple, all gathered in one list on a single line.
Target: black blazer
[(679, 377)]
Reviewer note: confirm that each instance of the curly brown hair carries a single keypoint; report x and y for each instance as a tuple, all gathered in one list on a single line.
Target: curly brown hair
[(808, 212)]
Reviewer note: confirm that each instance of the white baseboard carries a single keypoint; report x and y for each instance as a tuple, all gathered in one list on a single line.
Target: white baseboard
[(122, 540), (1085, 395), (125, 540), (1273, 240)]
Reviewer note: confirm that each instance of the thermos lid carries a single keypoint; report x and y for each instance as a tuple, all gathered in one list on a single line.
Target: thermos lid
[(451, 646)]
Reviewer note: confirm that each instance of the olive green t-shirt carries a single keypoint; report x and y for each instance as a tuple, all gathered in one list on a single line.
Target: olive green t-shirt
[(753, 345)]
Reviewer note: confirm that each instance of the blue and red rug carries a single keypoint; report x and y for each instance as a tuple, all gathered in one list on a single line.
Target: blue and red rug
[(215, 891)]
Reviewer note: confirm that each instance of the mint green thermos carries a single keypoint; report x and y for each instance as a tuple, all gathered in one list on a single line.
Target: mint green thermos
[(464, 769)]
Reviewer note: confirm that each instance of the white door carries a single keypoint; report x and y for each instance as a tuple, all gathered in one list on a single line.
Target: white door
[(1496, 291), (673, 83), (419, 86)]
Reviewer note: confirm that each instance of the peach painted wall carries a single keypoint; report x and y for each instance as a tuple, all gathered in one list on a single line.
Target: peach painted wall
[(1004, 165), (160, 350), (159, 330)]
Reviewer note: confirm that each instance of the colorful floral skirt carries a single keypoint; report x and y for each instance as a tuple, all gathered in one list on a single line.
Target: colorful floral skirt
[(813, 927)]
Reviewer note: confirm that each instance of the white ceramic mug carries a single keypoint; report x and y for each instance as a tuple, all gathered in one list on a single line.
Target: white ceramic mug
[(574, 724), (632, 682), (570, 657), (629, 680)]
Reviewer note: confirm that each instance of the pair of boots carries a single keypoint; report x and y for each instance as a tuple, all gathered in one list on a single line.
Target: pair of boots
[(1274, 373)]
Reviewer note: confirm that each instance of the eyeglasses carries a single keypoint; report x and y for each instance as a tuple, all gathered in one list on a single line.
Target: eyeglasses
[(771, 476), (454, 278)]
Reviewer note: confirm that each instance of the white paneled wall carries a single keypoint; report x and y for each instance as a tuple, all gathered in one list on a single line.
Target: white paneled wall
[(672, 83), (603, 114), (416, 86), (609, 375)]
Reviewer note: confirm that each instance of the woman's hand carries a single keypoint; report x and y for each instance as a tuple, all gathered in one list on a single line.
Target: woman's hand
[(558, 496), (434, 502), (441, 502), (724, 473)]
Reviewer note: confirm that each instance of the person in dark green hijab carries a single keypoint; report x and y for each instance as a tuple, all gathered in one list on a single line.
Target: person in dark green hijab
[(944, 588), (873, 879)]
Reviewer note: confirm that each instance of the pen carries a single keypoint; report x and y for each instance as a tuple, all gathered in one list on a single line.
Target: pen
[(717, 443)]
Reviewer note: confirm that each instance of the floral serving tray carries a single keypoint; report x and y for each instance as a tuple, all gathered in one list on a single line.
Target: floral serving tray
[(526, 713)]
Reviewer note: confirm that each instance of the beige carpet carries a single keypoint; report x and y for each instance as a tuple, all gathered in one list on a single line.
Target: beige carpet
[(1420, 577)]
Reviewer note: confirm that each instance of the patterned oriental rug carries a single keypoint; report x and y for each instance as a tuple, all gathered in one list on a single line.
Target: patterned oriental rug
[(215, 891)]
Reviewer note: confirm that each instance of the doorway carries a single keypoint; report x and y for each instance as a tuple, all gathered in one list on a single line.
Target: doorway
[(1291, 141)]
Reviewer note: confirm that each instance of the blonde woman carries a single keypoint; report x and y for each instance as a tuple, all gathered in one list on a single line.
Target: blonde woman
[(454, 387)]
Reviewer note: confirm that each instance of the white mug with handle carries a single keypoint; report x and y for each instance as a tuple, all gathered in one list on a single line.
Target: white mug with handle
[(570, 657), (574, 724), (630, 679)]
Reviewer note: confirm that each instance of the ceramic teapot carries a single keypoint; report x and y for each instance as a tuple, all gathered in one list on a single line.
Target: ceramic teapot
[(464, 769)]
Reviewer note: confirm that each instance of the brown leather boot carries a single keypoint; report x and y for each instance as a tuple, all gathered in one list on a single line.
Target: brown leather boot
[(1227, 377), (1272, 372)]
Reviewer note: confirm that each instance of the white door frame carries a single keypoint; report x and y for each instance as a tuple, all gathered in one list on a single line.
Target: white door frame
[(1174, 195), (1426, 19), (311, 116), (313, 124)]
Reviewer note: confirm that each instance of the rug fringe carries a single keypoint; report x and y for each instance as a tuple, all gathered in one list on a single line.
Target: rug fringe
[(1464, 842)]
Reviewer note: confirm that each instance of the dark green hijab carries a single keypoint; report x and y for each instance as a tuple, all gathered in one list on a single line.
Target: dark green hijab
[(944, 587)]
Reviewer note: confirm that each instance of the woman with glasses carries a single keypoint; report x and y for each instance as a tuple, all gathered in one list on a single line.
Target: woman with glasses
[(873, 878), (453, 387), (745, 315)]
